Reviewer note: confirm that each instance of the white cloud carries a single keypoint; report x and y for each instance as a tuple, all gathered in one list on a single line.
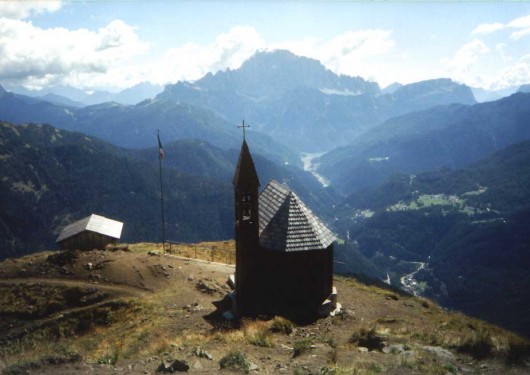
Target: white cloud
[(34, 56), (104, 58), (487, 28), (358, 53), (500, 48), (516, 35), (459, 65), (470, 64), (352, 53), (515, 74), (505, 66), (23, 9), (520, 23), (192, 61)]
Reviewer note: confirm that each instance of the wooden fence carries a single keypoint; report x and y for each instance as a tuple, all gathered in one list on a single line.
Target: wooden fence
[(221, 252)]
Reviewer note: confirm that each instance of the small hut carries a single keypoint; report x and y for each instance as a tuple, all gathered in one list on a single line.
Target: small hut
[(92, 232)]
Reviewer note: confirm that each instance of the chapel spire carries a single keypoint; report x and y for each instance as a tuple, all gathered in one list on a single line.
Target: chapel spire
[(245, 175)]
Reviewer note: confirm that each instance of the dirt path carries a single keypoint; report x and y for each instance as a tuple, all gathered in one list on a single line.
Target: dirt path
[(120, 289)]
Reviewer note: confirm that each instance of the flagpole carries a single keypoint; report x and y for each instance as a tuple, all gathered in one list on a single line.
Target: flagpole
[(160, 157)]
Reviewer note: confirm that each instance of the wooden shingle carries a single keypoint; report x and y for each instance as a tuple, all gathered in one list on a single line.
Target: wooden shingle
[(286, 224)]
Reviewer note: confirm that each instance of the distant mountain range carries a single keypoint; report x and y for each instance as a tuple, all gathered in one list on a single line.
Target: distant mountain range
[(67, 95), (469, 227), (297, 101), (445, 136), (135, 126), (294, 100)]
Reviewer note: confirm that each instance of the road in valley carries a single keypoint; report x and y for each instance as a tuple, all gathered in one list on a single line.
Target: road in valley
[(307, 159), (409, 284)]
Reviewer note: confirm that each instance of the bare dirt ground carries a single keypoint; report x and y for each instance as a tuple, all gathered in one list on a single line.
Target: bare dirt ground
[(106, 312)]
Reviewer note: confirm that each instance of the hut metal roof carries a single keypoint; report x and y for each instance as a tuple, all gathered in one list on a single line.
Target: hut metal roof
[(93, 223), (286, 224)]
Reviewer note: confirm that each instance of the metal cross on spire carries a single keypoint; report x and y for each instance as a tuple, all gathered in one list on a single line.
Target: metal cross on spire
[(243, 126)]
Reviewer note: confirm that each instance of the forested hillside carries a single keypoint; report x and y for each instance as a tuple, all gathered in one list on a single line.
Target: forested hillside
[(52, 177), (469, 228)]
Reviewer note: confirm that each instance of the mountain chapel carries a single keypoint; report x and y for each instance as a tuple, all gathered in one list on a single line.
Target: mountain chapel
[(284, 253)]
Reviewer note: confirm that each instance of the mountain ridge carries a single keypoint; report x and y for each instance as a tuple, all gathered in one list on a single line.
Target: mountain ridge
[(445, 136), (298, 101), (136, 125)]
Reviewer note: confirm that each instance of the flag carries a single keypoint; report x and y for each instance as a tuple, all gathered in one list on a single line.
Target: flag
[(160, 149)]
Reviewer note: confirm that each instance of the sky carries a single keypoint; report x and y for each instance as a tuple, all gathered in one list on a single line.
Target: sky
[(112, 45)]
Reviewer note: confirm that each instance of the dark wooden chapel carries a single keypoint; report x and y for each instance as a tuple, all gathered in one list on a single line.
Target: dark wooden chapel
[(284, 253)]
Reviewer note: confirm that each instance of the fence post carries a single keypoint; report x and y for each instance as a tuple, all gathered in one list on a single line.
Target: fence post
[(195, 246), (212, 253)]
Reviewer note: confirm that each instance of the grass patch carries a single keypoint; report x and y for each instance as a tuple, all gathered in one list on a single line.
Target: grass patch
[(479, 345), (367, 338), (30, 366), (257, 333), (37, 301)]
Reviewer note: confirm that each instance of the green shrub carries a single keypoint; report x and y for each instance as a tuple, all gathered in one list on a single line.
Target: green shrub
[(109, 358), (301, 346), (261, 339), (281, 325), (235, 361)]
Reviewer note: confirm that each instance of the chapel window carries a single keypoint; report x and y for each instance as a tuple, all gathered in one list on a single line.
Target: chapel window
[(247, 203)]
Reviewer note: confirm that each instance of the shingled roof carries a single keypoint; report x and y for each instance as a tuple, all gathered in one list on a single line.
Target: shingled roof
[(286, 224), (93, 223)]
